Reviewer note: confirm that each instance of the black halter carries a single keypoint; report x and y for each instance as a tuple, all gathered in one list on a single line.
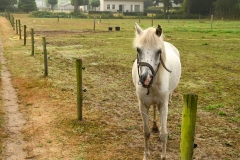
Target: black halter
[(139, 64)]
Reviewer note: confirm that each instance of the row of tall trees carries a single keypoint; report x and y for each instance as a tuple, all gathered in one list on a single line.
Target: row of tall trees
[(203, 7), (77, 3), (30, 5), (224, 8), (227, 8), (7, 4)]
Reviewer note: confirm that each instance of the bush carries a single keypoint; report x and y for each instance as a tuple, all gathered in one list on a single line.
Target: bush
[(190, 16), (176, 16), (78, 15), (134, 14), (46, 14), (99, 12), (107, 16), (11, 8), (159, 11)]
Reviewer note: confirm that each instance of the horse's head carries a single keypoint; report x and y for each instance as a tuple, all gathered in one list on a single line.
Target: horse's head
[(149, 45)]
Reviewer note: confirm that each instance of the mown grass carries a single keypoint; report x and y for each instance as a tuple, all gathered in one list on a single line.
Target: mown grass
[(112, 126)]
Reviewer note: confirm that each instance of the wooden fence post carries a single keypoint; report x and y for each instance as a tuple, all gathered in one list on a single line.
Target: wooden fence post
[(211, 21), (24, 35), (13, 25), (152, 20), (8, 16), (139, 14), (188, 126), (5, 13), (32, 40), (12, 22), (16, 26), (19, 28), (45, 56), (79, 88), (94, 25)]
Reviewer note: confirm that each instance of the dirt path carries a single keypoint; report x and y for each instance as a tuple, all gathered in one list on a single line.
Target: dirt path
[(14, 121)]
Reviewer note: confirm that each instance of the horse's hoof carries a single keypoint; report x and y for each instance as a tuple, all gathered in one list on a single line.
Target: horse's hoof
[(163, 157), (155, 129), (146, 154)]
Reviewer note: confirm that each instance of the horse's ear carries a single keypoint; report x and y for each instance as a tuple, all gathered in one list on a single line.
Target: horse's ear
[(159, 31), (138, 29)]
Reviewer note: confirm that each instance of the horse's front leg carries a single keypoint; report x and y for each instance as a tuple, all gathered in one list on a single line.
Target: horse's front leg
[(163, 132), (144, 112)]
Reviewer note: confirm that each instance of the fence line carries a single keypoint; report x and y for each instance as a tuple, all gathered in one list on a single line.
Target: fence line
[(186, 111)]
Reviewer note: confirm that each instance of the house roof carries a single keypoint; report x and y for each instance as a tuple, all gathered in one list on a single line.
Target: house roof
[(66, 4)]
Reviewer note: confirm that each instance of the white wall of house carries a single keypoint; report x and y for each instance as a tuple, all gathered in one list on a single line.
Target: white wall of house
[(66, 7), (122, 5)]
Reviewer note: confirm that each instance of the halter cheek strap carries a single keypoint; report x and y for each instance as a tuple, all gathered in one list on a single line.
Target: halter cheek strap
[(164, 64)]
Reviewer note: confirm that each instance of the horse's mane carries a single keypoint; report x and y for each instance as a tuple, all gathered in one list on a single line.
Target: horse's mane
[(148, 38)]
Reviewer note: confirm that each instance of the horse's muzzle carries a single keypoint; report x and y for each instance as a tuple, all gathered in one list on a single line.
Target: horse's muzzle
[(146, 80)]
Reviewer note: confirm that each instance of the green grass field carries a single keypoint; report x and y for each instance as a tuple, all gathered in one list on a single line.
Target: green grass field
[(112, 127)]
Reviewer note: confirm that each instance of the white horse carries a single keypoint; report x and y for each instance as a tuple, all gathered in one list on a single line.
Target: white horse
[(156, 73)]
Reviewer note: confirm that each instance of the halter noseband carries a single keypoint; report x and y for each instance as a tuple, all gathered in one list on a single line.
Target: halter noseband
[(139, 64)]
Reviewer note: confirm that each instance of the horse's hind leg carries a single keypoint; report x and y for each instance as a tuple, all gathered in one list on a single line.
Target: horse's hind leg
[(155, 127), (144, 112)]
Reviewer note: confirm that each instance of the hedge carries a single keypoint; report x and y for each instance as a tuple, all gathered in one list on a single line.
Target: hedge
[(134, 14)]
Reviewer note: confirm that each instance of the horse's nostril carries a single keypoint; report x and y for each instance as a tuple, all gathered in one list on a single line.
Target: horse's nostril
[(146, 79), (142, 79)]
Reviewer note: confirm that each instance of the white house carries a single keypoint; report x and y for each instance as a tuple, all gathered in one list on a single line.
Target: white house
[(67, 7), (122, 5), (105, 5)]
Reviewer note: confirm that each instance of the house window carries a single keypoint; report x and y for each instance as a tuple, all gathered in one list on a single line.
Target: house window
[(108, 6), (137, 8), (113, 6)]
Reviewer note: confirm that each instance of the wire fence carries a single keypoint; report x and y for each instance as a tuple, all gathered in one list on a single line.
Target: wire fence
[(52, 59)]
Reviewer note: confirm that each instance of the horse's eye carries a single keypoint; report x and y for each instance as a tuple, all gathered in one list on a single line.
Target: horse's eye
[(138, 50)]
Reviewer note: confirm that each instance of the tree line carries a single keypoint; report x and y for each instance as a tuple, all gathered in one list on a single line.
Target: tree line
[(220, 8)]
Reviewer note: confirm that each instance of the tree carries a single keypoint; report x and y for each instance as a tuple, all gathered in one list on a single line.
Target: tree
[(52, 3), (6, 4), (227, 8), (77, 3), (203, 7), (95, 3), (27, 5), (188, 6), (167, 5), (157, 2), (148, 3)]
